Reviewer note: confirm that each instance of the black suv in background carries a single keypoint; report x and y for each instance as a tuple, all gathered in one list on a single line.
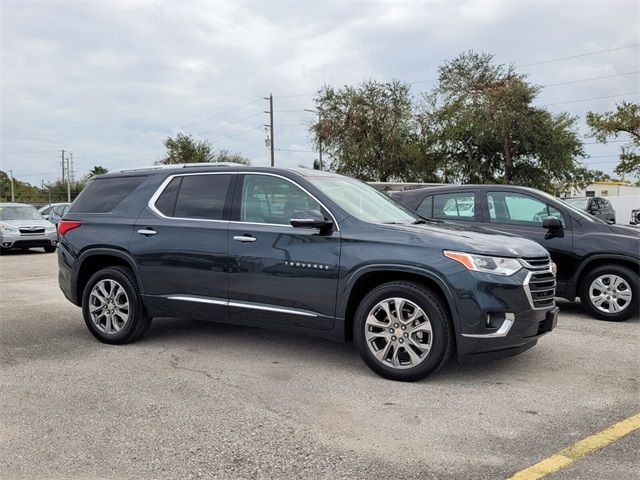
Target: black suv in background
[(597, 206), (299, 250), (598, 262)]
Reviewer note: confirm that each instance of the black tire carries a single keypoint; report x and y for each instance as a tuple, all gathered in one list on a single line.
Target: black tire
[(442, 333), (137, 323), (50, 249), (621, 271)]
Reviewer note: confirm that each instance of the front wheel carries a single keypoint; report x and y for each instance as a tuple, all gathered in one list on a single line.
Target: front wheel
[(50, 248), (402, 331), (112, 308), (610, 292)]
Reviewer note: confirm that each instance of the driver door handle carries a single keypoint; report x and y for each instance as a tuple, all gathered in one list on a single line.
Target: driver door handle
[(147, 231), (244, 238)]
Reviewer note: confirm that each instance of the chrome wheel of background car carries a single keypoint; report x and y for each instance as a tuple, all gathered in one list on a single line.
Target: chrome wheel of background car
[(610, 293), (398, 333), (108, 306)]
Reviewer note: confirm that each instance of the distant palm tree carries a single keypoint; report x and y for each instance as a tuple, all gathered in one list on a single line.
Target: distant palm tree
[(97, 170)]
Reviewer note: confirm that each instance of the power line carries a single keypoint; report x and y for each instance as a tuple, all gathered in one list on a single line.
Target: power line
[(596, 52), (635, 72), (590, 99)]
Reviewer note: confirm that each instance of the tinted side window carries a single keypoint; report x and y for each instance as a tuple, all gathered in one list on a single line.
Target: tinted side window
[(458, 206), (202, 196), (516, 208), (426, 207), (104, 194), (268, 199), (166, 202)]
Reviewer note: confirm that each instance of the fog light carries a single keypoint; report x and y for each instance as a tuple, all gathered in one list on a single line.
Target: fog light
[(496, 319), (6, 244)]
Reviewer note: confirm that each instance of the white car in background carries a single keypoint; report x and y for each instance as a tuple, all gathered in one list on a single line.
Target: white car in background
[(22, 227)]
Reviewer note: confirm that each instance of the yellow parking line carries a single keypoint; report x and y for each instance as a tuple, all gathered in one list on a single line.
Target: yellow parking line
[(579, 449)]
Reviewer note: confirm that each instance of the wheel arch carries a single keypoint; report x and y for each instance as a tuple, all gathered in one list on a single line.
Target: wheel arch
[(97, 259), (598, 261), (368, 278)]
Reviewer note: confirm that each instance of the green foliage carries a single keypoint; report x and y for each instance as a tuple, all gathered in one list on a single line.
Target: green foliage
[(95, 171), (481, 122), (58, 190), (187, 149), (369, 131), (23, 191), (625, 120)]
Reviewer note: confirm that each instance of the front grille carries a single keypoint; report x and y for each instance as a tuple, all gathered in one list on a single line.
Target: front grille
[(540, 285), (31, 230)]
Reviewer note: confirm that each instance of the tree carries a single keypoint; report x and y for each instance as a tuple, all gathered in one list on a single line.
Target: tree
[(625, 120), (96, 170), (187, 149), (23, 191), (225, 156), (369, 131), (481, 122)]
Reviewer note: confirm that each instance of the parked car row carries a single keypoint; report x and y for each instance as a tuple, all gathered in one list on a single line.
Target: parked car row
[(22, 227), (597, 261)]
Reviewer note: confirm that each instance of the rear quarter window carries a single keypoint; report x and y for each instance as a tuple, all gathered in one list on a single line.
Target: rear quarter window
[(102, 195)]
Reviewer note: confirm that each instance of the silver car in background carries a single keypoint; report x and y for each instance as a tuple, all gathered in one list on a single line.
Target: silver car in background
[(22, 226)]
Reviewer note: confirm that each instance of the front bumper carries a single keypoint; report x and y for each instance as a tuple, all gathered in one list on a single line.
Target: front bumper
[(499, 315), (18, 240)]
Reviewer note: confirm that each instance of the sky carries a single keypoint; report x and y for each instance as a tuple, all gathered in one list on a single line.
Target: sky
[(110, 80)]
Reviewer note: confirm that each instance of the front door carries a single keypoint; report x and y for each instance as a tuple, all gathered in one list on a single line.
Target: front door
[(181, 246), (278, 273), (521, 214)]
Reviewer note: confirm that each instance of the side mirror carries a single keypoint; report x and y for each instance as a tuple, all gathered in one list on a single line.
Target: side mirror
[(552, 223), (309, 219)]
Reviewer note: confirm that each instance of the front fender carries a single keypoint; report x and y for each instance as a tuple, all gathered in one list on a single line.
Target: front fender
[(352, 280)]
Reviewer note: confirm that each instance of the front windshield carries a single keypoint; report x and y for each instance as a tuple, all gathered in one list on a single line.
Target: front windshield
[(363, 201), (580, 203), (19, 212)]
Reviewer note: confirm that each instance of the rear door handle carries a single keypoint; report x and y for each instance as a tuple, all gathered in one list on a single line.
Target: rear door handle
[(147, 231), (244, 238)]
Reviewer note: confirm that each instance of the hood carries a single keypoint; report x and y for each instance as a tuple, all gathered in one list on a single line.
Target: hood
[(471, 240), (27, 223)]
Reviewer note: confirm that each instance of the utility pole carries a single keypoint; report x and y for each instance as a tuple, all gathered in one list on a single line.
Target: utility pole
[(271, 142), (68, 182), (319, 139), (13, 196), (62, 163), (72, 175)]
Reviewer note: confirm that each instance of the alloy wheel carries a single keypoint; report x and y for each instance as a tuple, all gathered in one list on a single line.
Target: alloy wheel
[(108, 306), (398, 333)]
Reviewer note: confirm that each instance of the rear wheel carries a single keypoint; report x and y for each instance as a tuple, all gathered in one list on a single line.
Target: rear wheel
[(610, 292), (112, 308), (402, 331)]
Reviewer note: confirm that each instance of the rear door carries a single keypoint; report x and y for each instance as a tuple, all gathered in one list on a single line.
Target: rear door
[(181, 245), (459, 207), (280, 274)]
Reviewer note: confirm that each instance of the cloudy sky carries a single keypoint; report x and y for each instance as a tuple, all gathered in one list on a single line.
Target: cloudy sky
[(109, 80)]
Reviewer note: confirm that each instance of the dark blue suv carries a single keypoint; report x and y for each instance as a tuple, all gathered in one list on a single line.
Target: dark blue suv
[(299, 250)]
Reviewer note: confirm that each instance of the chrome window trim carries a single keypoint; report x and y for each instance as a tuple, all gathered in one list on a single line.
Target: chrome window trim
[(233, 303), (163, 186)]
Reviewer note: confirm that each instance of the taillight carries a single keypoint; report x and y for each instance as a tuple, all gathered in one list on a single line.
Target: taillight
[(66, 225)]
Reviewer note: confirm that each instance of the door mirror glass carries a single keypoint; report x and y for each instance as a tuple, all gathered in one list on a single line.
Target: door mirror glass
[(309, 219), (552, 223)]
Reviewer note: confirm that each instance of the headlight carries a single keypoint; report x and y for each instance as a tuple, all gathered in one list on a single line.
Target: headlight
[(7, 228), (481, 263), (50, 228)]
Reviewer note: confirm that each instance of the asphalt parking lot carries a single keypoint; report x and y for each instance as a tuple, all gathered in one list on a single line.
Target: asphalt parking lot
[(205, 400)]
